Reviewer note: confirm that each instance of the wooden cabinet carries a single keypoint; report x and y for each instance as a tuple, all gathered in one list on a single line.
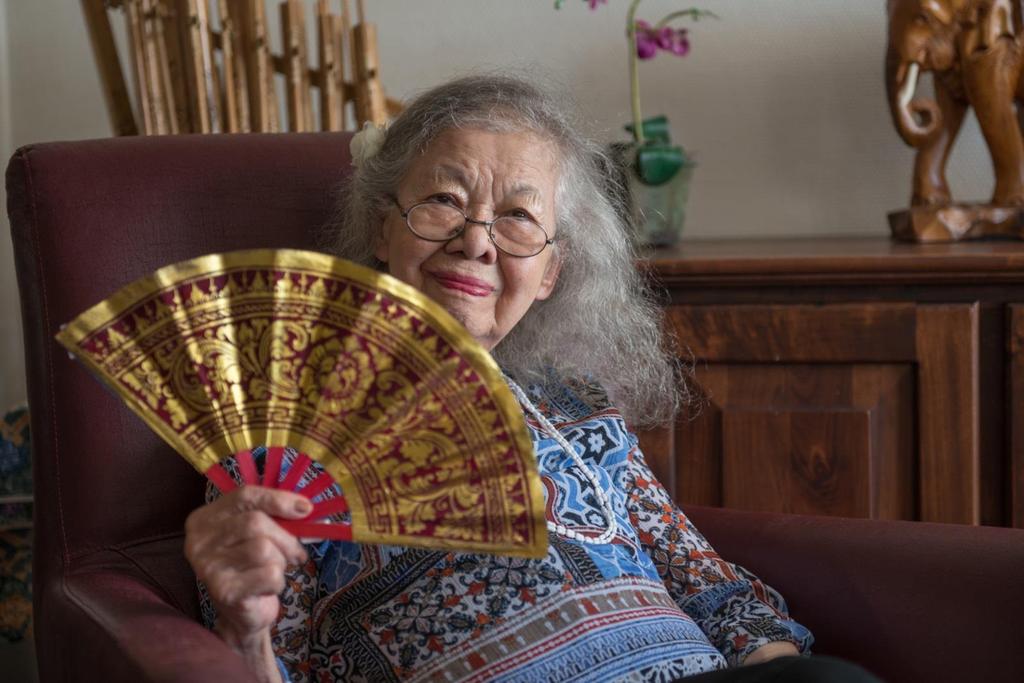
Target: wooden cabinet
[(851, 377)]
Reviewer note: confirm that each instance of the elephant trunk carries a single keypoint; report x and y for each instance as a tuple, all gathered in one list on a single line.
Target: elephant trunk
[(917, 119)]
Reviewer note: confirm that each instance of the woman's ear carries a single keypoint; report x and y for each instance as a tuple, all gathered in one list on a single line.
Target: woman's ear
[(547, 283)]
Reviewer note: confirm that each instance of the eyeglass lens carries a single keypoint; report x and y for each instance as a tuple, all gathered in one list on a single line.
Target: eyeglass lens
[(514, 235)]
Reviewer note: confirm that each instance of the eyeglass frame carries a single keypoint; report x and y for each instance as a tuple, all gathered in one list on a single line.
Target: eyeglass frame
[(467, 220)]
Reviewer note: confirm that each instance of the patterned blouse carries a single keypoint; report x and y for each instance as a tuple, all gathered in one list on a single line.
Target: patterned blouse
[(655, 604)]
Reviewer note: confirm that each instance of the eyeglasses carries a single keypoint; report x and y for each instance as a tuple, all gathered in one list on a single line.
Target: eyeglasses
[(517, 236)]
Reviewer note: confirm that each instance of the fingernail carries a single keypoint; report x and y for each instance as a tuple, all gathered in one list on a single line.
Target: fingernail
[(303, 506)]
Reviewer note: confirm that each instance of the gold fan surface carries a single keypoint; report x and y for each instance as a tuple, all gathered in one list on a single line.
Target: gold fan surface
[(360, 371)]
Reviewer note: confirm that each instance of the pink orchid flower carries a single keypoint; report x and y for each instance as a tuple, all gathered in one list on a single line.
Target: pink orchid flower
[(649, 40), (674, 40), (646, 40)]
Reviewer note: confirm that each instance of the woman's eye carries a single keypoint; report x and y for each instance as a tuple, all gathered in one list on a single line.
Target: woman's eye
[(442, 199), (519, 213)]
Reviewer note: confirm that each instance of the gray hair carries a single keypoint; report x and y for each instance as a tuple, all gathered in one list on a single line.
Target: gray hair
[(600, 322)]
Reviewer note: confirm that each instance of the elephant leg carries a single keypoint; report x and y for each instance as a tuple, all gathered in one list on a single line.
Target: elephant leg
[(991, 77), (930, 188)]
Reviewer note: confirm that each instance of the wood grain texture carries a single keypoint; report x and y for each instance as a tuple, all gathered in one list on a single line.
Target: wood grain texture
[(252, 19), (698, 452), (927, 335), (329, 79), (797, 333), (176, 70), (832, 261), (293, 37), (235, 96), (1015, 344), (948, 394), (805, 462), (761, 422), (658, 448), (199, 68)]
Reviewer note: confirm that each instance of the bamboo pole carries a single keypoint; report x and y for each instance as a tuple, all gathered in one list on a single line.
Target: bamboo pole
[(393, 107), (163, 60), (156, 89), (346, 29), (330, 95), (115, 90), (370, 104), (200, 67), (259, 67), (344, 89), (177, 64), (236, 96), (297, 75), (214, 89), (140, 73)]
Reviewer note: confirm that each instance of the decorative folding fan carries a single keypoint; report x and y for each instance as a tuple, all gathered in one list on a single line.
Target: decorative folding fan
[(351, 368)]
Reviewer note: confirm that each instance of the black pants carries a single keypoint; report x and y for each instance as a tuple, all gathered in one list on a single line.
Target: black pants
[(789, 670)]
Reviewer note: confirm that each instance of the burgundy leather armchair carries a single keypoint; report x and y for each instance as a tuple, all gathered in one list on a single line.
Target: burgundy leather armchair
[(116, 601)]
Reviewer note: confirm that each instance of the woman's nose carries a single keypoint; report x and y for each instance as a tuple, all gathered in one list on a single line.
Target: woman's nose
[(474, 243)]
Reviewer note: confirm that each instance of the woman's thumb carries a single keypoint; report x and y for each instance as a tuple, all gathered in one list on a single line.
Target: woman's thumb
[(277, 503)]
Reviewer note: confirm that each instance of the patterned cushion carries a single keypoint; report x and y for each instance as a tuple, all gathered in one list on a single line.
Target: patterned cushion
[(15, 461), (15, 584), (15, 526)]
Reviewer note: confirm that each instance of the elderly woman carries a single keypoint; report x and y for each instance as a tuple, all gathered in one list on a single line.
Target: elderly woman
[(483, 196)]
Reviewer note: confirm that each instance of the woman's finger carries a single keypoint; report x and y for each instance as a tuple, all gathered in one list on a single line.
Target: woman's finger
[(230, 587), (255, 525), (274, 502), (240, 516), (252, 535)]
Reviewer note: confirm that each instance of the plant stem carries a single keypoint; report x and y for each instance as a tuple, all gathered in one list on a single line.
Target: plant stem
[(634, 74), (693, 13)]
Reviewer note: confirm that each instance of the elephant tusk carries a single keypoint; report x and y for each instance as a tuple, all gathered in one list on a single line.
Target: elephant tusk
[(909, 86)]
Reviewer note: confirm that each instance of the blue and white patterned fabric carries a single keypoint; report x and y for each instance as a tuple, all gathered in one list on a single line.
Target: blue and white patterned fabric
[(655, 604)]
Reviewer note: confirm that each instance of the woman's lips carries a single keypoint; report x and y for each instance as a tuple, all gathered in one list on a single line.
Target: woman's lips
[(463, 283)]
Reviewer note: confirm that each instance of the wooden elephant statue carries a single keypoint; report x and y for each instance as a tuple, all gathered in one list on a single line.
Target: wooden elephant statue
[(975, 51)]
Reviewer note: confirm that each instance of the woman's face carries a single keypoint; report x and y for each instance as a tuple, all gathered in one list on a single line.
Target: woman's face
[(486, 175)]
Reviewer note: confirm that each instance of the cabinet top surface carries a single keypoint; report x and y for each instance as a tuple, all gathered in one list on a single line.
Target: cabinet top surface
[(833, 258)]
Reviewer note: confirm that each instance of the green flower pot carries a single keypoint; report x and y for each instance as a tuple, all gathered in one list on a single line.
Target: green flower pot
[(660, 210), (655, 202)]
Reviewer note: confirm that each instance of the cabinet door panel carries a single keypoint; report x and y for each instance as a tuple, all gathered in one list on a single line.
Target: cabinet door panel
[(1016, 413), (797, 333), (803, 461), (950, 458), (822, 439), (900, 380)]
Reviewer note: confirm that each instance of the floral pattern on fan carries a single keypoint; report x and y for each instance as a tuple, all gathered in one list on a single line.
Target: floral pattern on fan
[(376, 382)]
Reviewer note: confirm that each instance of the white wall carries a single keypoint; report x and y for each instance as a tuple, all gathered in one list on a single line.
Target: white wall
[(12, 379), (782, 102)]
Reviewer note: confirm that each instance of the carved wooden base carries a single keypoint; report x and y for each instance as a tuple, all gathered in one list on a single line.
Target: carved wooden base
[(957, 222)]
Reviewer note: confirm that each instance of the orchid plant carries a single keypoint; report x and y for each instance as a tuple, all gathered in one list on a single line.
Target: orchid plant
[(657, 159)]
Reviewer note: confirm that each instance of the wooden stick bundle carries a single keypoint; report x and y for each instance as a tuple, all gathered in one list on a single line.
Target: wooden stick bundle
[(328, 47), (296, 70), (369, 93), (182, 86), (199, 67), (115, 90), (235, 96)]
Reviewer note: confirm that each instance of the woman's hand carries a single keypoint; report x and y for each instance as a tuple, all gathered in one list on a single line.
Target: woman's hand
[(240, 554)]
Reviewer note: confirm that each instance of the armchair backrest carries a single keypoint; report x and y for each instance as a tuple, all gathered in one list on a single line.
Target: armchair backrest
[(89, 217)]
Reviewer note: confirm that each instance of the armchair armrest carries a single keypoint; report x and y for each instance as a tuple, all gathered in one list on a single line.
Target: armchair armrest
[(131, 634), (127, 612), (910, 601)]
